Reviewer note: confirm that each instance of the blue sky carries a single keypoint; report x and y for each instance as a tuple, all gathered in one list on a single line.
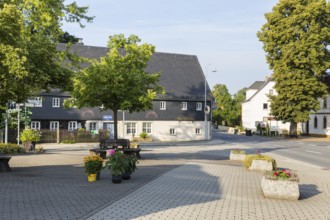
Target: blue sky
[(221, 33)]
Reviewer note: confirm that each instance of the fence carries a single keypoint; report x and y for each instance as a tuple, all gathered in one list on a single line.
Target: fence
[(65, 136)]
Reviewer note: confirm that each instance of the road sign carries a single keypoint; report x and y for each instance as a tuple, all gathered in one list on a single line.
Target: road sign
[(107, 117)]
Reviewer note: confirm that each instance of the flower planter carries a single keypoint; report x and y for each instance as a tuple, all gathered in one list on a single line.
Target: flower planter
[(91, 177), (280, 189), (261, 165), (126, 175), (235, 156), (116, 179)]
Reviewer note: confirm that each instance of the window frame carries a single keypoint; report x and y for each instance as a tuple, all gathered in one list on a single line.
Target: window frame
[(265, 106), (199, 106), (39, 101), (184, 106), (162, 105), (130, 128), (315, 122), (56, 102), (33, 125), (92, 123), (173, 131), (147, 129), (72, 128), (325, 122), (198, 131), (54, 122)]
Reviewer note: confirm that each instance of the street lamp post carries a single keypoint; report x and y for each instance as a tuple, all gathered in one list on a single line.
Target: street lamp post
[(206, 110)]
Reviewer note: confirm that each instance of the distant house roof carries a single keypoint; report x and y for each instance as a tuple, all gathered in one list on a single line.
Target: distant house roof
[(256, 85), (181, 75)]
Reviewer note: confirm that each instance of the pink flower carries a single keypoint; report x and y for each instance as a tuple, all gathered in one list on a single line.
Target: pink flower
[(111, 152), (275, 173)]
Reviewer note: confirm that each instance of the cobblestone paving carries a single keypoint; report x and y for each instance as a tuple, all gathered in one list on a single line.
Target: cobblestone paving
[(54, 186), (213, 191)]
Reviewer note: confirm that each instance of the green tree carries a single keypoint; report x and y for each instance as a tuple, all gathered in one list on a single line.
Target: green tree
[(29, 33), (68, 38), (296, 41), (224, 105), (238, 99), (119, 80)]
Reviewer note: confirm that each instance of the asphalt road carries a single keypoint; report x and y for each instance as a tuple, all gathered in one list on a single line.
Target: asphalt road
[(312, 151)]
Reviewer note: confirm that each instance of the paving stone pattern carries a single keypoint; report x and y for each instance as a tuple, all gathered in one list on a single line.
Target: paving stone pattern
[(213, 191)]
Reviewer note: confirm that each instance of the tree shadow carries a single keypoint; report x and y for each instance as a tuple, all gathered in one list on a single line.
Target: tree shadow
[(307, 191), (187, 185)]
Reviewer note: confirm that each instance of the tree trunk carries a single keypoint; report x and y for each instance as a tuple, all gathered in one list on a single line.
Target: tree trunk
[(115, 123), (293, 129)]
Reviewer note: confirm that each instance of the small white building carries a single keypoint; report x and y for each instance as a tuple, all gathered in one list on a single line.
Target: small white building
[(318, 124), (256, 107)]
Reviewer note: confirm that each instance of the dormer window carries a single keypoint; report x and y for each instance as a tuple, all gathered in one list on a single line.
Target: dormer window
[(162, 105), (56, 102)]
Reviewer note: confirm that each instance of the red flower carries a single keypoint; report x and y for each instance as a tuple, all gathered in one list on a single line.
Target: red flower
[(275, 173)]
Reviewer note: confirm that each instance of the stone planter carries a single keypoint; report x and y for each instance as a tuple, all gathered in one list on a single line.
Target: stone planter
[(234, 156), (261, 165), (280, 189)]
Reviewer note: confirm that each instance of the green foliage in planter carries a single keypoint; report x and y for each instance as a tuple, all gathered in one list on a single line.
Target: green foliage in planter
[(11, 149), (281, 174), (144, 135), (250, 157), (238, 151), (68, 141), (30, 135)]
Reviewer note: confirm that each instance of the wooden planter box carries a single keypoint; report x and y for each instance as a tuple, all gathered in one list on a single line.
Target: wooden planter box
[(261, 165), (234, 156), (280, 189)]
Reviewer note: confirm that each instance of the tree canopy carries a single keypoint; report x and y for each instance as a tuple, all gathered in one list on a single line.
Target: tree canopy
[(296, 41), (118, 81), (228, 109), (29, 34)]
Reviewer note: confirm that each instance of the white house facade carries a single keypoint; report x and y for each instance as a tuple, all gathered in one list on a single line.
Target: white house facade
[(256, 107)]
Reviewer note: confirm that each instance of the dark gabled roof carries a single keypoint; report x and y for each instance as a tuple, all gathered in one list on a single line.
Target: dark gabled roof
[(260, 87), (256, 85), (181, 75)]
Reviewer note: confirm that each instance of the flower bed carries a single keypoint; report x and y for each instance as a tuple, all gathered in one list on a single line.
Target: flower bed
[(280, 184)]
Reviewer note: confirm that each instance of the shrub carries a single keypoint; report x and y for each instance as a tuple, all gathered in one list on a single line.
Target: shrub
[(249, 158), (30, 135), (11, 149), (284, 132), (144, 135)]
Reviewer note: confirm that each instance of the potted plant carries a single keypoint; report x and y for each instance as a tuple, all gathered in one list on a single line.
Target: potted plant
[(280, 184), (237, 154), (130, 166), (93, 166), (116, 162), (30, 137)]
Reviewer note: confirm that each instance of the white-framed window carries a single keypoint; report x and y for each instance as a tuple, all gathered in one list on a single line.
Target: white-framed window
[(72, 126), (325, 103), (38, 102), (271, 92), (162, 105), (92, 126), (198, 131), (184, 106), (199, 106), (146, 127), (56, 102), (35, 125), (53, 125), (172, 131), (131, 128)]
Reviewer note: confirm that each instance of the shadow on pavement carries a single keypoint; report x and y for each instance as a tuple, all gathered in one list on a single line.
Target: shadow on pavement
[(307, 191)]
